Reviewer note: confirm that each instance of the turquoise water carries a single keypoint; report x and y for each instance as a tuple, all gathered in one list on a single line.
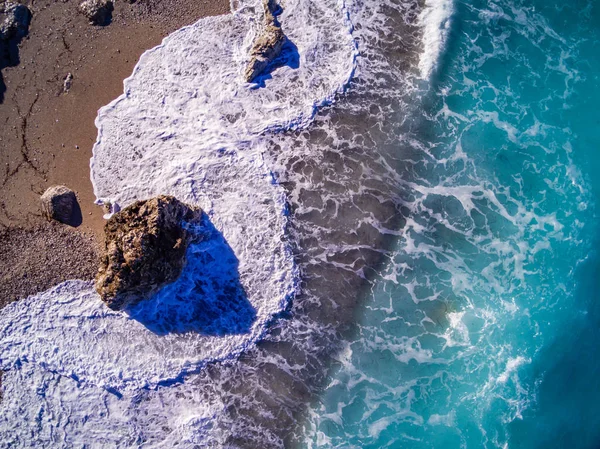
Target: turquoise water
[(482, 329)]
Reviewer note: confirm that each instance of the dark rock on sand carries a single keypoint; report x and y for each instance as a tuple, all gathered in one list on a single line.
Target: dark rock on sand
[(14, 20), (267, 45), (99, 12), (60, 203), (145, 246), (67, 82)]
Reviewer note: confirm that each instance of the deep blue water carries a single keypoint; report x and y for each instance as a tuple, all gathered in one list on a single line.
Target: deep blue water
[(482, 329)]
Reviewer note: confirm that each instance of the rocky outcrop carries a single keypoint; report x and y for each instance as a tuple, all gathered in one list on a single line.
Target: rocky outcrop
[(99, 12), (60, 203), (267, 45), (14, 20), (145, 246)]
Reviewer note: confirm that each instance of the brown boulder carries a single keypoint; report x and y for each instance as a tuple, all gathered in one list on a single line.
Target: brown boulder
[(60, 203), (98, 12), (267, 45), (145, 246)]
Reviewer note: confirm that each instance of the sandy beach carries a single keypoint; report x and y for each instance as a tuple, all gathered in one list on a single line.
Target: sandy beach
[(48, 133)]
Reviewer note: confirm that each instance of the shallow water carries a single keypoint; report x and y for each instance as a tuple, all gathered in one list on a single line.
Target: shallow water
[(482, 327), (437, 224)]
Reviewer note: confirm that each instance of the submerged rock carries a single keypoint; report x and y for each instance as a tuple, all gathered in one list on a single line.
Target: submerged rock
[(14, 20), (145, 246), (60, 203), (267, 45), (99, 12)]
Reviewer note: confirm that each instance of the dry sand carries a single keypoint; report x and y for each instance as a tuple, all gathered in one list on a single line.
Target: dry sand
[(47, 135)]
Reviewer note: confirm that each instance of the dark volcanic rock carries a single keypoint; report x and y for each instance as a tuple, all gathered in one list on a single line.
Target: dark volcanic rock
[(145, 247), (267, 45), (60, 203), (99, 12), (14, 20)]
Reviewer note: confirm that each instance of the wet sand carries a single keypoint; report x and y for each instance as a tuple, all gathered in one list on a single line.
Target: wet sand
[(47, 134)]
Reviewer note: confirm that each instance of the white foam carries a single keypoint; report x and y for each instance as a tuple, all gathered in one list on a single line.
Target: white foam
[(435, 20), (448, 419), (44, 409), (457, 333), (512, 365)]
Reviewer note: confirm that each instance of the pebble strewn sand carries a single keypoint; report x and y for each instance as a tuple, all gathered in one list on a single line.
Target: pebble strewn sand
[(37, 258)]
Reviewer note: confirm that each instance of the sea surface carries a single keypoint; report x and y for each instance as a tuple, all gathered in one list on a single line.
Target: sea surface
[(481, 328), (400, 234)]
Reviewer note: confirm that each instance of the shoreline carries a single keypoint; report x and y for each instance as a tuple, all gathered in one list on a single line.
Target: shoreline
[(49, 133)]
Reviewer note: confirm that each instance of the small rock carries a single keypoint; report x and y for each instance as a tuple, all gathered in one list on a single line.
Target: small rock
[(60, 203), (14, 20), (99, 12), (68, 83), (145, 246), (267, 45)]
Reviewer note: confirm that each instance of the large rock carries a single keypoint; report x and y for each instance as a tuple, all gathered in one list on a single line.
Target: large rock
[(60, 203), (99, 12), (145, 246), (267, 45), (14, 20)]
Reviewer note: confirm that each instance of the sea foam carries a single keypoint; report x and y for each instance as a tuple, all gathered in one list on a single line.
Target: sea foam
[(435, 20), (186, 125)]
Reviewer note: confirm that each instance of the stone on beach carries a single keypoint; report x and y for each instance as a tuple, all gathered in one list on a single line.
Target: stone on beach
[(68, 82), (14, 20), (145, 247), (267, 45), (60, 203), (99, 12)]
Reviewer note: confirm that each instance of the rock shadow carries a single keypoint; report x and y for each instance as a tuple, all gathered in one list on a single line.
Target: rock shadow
[(208, 298), (2, 87), (10, 37), (289, 57), (76, 218), (9, 57), (103, 16)]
